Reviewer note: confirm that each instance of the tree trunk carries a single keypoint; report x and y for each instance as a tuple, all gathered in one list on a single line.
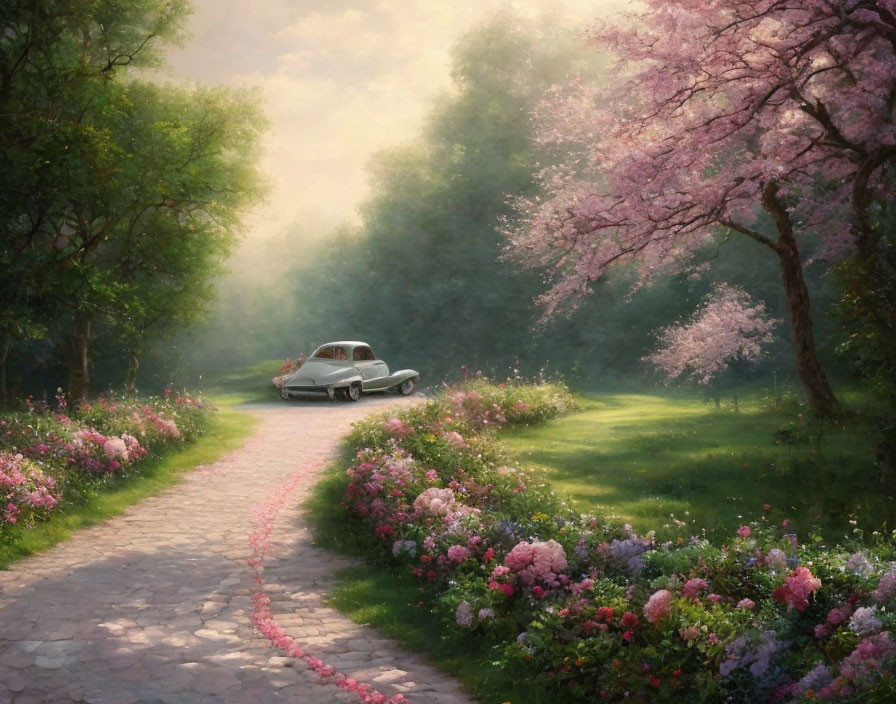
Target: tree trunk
[(131, 379), (808, 368), (3, 361), (78, 372)]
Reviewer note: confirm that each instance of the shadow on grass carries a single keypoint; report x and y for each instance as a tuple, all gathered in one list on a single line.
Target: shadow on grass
[(643, 458)]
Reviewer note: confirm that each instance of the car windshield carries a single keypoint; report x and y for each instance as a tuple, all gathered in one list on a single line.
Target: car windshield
[(331, 352)]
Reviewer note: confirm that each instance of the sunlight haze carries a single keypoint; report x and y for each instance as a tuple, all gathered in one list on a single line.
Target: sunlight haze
[(340, 80)]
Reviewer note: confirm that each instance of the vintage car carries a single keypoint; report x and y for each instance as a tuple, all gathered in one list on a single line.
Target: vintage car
[(347, 369)]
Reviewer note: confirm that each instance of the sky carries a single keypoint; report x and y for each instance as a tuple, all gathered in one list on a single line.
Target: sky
[(340, 80)]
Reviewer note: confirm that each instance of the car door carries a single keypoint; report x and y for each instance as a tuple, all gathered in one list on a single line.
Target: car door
[(373, 371)]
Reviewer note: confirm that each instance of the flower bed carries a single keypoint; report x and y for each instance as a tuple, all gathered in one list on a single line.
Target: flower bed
[(585, 609), (51, 456)]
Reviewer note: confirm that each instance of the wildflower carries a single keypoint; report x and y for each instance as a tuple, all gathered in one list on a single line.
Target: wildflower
[(865, 621), (486, 614), (746, 604), (815, 679), (776, 559), (859, 564), (464, 614), (744, 532), (886, 588)]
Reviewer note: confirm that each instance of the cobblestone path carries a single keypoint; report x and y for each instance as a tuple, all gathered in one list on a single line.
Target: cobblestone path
[(156, 606)]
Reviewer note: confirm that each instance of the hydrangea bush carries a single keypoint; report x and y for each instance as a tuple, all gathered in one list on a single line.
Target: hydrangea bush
[(53, 455), (586, 609)]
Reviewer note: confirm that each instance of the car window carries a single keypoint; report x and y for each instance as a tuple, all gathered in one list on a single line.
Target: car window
[(324, 353), (363, 354)]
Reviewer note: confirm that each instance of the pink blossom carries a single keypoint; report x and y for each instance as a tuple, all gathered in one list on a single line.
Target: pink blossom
[(797, 588), (658, 605), (746, 604), (744, 531), (689, 633), (537, 561), (395, 427), (693, 587), (728, 326), (458, 554)]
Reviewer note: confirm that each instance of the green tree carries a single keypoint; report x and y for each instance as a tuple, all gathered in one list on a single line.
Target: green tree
[(121, 196), (424, 279)]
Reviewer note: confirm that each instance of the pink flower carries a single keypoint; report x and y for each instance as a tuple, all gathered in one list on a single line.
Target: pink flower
[(396, 427), (658, 605), (797, 588), (693, 587), (690, 633), (458, 554), (744, 531), (746, 604), (537, 561), (456, 440), (583, 586), (629, 620), (605, 613)]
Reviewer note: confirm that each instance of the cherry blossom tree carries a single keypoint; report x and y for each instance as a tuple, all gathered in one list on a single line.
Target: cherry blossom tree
[(768, 119), (728, 326)]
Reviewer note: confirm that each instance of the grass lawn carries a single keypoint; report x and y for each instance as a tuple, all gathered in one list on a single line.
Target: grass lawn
[(250, 385), (643, 458), (227, 431)]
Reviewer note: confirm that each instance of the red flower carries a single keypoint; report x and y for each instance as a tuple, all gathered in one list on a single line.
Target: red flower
[(654, 681), (629, 620)]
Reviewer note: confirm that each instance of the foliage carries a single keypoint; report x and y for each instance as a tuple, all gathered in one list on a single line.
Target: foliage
[(767, 120), (426, 254), (119, 198), (657, 460), (578, 605), (51, 458)]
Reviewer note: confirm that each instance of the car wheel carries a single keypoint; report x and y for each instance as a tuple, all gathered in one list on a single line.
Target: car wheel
[(284, 395), (406, 388), (353, 392)]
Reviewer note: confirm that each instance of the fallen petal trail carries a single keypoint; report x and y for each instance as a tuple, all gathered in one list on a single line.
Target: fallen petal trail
[(157, 605), (264, 515)]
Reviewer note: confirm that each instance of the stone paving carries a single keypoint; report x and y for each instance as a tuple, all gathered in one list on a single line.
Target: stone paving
[(155, 606)]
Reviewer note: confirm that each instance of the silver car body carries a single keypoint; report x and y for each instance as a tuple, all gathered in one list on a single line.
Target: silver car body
[(348, 368)]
